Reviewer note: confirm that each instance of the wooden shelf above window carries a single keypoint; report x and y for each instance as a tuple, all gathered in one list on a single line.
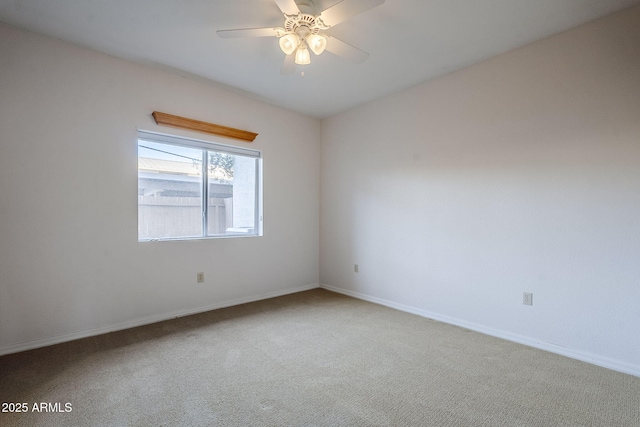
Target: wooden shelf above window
[(199, 126)]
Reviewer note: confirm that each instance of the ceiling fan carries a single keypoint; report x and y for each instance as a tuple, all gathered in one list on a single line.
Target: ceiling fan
[(304, 29)]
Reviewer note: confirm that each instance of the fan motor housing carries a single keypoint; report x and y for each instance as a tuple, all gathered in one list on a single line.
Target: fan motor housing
[(312, 24)]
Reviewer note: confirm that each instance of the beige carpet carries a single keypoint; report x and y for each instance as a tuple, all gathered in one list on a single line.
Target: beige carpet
[(310, 359)]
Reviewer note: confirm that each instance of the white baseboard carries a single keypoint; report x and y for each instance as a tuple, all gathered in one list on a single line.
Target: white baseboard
[(43, 342), (520, 339)]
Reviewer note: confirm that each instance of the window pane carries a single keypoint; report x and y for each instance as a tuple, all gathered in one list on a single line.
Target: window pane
[(175, 200), (232, 194), (169, 191)]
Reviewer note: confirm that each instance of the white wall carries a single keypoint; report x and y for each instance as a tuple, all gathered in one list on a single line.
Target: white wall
[(521, 173), (70, 262)]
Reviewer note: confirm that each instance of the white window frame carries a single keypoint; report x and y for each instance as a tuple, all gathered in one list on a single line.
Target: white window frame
[(220, 148)]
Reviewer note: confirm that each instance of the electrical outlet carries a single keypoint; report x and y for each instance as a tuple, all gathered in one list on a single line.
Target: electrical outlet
[(355, 268), (527, 298), (200, 277)]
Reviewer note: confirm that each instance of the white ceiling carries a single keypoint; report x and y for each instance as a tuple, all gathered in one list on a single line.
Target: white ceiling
[(410, 41)]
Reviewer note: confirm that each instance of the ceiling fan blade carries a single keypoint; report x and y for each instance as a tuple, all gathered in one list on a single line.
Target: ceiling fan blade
[(289, 65), (347, 9), (288, 7), (345, 50), (249, 32)]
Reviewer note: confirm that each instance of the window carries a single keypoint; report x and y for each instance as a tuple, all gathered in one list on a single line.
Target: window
[(190, 189)]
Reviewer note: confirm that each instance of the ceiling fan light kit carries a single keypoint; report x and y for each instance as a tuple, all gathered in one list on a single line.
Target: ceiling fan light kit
[(302, 30)]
